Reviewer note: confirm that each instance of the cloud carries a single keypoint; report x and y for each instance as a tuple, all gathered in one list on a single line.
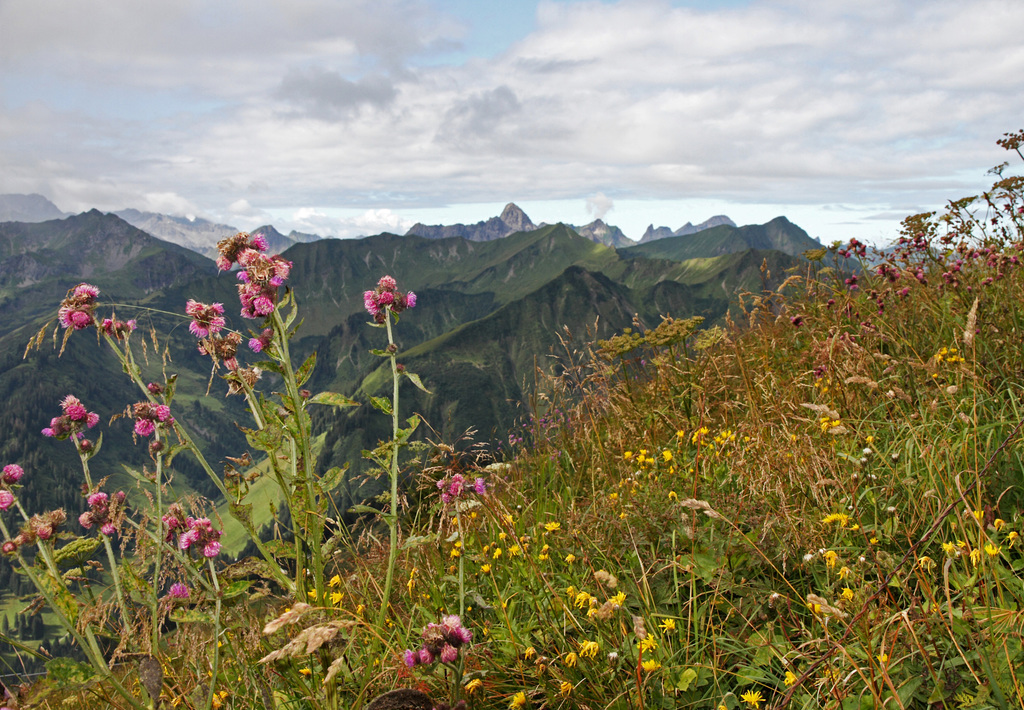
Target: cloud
[(327, 95), (599, 205), (324, 102)]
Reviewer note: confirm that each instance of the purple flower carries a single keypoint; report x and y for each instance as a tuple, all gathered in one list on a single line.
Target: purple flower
[(178, 591), (108, 529), (6, 499), (449, 654), (411, 658), (85, 520), (480, 486), (99, 498), (76, 310), (211, 549), (144, 427), (12, 473), (410, 300)]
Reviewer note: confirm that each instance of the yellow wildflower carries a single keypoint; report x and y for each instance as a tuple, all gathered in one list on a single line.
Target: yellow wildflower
[(926, 563), (844, 572), (565, 688), (1011, 539), (831, 557), (650, 665), (474, 685), (991, 550), (753, 698), (553, 527), (668, 625), (647, 644), (502, 536), (336, 597), (790, 678), (672, 495), (570, 659), (619, 598), (311, 594), (485, 568), (667, 455), (589, 649), (570, 558), (514, 551), (976, 557), (998, 523), (335, 581), (497, 553), (518, 700), (628, 455), (613, 497), (882, 657), (949, 548), (832, 518), (305, 671), (847, 594)]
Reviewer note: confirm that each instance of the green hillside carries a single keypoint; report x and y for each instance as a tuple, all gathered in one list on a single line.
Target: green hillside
[(779, 234)]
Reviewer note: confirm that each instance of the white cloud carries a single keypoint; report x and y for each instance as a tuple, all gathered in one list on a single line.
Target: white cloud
[(267, 106), (599, 205)]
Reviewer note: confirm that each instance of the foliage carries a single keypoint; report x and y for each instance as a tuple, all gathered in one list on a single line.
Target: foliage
[(814, 503)]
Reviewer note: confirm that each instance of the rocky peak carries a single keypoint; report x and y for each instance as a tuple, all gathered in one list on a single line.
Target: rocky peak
[(516, 219)]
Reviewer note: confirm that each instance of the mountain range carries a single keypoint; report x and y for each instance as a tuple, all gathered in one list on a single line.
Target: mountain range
[(489, 313)]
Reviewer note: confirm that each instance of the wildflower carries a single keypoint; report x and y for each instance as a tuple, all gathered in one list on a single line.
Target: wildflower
[(570, 659), (627, 455), (76, 310), (474, 685), (589, 649), (950, 549), (926, 563), (207, 319), (673, 496), (844, 572), (833, 518), (618, 599), (991, 550), (261, 342), (178, 590), (847, 594), (976, 557), (74, 420), (668, 625), (485, 568), (553, 527), (1012, 538), (518, 700), (385, 298), (753, 698), (650, 665), (647, 644), (147, 415), (790, 678), (882, 657), (998, 523), (335, 581), (336, 597), (6, 499), (497, 553), (830, 558), (667, 455), (565, 688), (570, 558), (12, 473), (440, 642), (305, 671)]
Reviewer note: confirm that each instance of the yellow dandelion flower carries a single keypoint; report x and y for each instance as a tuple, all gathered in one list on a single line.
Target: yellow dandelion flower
[(976, 557), (998, 523), (844, 572), (613, 497), (831, 557), (570, 558), (847, 594), (949, 548), (619, 598), (668, 625), (926, 563), (305, 671), (474, 685), (582, 600), (1012, 538), (485, 568), (311, 594), (589, 649), (667, 455), (502, 536), (565, 688), (790, 678), (882, 657), (336, 597), (991, 550), (514, 551), (832, 518), (628, 455), (335, 581), (753, 698), (360, 609), (672, 495), (647, 644), (497, 553), (650, 665), (553, 527), (518, 700), (570, 659)]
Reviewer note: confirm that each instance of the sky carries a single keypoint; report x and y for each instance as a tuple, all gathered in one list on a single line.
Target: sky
[(352, 117)]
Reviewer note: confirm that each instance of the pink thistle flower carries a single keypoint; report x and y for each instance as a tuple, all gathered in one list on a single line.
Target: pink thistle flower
[(85, 520), (386, 299), (76, 412), (13, 473), (10, 547), (44, 531), (92, 419), (259, 242), (163, 412), (449, 654), (144, 427), (99, 498), (426, 656), (108, 529), (178, 591), (410, 300), (387, 283), (479, 486), (6, 499), (411, 658), (187, 538), (212, 549), (262, 305)]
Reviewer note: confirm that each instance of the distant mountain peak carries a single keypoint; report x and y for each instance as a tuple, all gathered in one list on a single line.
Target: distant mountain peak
[(511, 220), (602, 233), (28, 208)]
